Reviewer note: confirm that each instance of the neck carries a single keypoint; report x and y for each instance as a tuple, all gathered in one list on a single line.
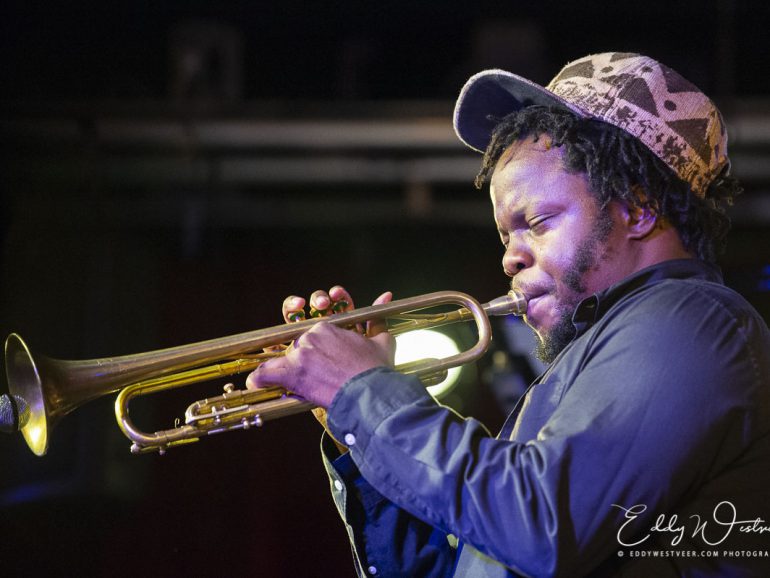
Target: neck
[(662, 244)]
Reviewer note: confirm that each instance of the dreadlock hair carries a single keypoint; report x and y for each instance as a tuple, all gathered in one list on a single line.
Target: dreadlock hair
[(619, 167)]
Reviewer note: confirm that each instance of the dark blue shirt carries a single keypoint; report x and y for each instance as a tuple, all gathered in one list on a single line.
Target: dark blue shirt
[(630, 456)]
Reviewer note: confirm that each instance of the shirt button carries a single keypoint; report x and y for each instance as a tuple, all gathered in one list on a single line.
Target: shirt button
[(350, 439), (372, 570), (338, 485)]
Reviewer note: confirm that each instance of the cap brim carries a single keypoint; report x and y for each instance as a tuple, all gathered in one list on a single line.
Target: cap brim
[(492, 94)]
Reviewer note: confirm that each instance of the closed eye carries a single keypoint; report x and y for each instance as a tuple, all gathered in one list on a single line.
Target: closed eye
[(540, 224)]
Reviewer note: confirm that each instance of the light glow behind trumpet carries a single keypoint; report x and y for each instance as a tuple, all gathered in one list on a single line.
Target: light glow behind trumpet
[(429, 343)]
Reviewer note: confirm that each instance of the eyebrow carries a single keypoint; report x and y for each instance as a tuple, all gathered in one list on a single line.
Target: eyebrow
[(513, 219)]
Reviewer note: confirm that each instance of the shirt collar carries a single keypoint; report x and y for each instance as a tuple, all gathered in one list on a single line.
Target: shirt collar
[(592, 308)]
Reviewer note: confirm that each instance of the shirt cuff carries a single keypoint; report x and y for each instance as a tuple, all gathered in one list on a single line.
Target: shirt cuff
[(366, 400)]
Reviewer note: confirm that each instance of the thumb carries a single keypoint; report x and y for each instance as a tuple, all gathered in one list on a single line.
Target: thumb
[(387, 343), (268, 374)]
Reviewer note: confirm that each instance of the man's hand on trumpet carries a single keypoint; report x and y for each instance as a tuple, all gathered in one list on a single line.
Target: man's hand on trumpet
[(324, 358)]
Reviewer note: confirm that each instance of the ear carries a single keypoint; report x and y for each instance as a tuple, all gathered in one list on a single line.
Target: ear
[(640, 219)]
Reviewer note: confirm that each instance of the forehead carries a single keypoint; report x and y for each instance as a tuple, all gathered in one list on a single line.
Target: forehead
[(530, 172)]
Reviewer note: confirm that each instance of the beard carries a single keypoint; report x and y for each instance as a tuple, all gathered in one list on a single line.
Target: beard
[(587, 256)]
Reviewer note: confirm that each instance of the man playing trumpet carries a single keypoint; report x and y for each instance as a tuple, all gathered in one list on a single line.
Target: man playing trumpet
[(650, 429)]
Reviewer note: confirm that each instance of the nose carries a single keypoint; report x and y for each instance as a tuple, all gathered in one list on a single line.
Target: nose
[(516, 257)]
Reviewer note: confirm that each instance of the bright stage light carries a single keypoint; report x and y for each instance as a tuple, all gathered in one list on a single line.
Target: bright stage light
[(426, 343)]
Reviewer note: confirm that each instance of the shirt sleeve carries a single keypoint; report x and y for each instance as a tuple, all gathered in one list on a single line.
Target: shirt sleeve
[(385, 540), (661, 403)]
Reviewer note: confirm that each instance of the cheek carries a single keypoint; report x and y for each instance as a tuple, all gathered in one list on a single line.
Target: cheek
[(557, 250), (554, 257)]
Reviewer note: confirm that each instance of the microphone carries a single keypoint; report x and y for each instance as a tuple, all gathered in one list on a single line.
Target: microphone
[(14, 413)]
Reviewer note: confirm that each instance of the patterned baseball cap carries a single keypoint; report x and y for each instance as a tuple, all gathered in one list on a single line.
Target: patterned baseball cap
[(637, 94)]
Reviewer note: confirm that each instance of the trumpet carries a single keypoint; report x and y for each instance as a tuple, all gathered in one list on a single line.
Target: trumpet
[(47, 389)]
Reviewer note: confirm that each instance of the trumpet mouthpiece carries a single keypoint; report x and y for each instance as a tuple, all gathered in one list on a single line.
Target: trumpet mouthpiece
[(513, 303)]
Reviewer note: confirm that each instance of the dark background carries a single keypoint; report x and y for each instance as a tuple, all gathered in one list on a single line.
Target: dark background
[(172, 170)]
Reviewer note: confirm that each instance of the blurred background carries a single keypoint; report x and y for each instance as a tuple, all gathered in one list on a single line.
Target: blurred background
[(172, 170)]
